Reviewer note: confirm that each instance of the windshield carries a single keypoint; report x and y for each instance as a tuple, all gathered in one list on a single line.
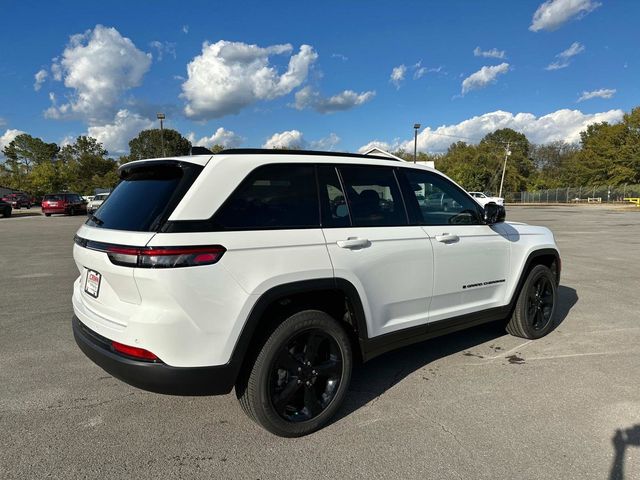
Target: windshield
[(53, 198)]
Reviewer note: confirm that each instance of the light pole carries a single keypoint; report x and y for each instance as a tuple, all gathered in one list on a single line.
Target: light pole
[(416, 127), (507, 152), (161, 117)]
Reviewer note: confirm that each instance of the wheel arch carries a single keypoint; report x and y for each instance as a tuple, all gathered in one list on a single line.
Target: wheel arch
[(549, 257), (336, 296)]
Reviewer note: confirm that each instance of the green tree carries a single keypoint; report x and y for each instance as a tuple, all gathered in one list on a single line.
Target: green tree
[(553, 163), (21, 155), (217, 148), (148, 144), (84, 165)]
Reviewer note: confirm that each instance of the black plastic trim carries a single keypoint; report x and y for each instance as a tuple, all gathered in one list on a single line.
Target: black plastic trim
[(265, 151), (153, 376), (372, 347)]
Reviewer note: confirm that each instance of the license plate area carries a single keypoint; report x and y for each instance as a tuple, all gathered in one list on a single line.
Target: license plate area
[(92, 283)]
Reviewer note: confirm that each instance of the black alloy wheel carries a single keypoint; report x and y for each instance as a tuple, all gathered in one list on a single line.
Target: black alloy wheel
[(540, 303), (300, 375), (305, 375), (533, 313)]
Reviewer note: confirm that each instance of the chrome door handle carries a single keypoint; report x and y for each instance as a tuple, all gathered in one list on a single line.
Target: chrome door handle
[(353, 243), (447, 238)]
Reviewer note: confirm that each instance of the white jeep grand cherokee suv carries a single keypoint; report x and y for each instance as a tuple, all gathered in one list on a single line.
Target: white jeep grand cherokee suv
[(272, 271)]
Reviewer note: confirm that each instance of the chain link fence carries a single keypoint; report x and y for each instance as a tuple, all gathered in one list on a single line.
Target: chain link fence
[(601, 194)]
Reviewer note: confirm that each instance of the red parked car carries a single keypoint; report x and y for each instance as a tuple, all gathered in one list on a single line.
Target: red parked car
[(18, 200), (64, 203)]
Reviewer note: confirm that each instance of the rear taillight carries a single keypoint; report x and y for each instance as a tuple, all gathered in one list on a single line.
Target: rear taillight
[(156, 257), (135, 352), (165, 257)]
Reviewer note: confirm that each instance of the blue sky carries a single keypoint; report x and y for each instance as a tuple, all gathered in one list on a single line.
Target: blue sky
[(318, 75)]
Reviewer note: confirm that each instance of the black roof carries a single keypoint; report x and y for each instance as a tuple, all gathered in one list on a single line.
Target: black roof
[(270, 151)]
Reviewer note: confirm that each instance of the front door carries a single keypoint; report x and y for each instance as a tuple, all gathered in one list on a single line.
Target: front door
[(471, 259)]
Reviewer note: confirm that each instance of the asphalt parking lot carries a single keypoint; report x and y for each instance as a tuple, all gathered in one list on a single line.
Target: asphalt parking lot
[(477, 404)]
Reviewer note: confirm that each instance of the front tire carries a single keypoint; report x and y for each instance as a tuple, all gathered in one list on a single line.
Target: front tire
[(6, 213), (533, 314), (300, 376)]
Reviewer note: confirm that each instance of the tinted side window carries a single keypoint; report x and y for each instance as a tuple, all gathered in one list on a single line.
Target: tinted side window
[(332, 200), (272, 196), (373, 195), (434, 200)]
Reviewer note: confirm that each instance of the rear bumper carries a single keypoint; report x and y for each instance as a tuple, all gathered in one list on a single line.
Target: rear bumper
[(154, 377), (54, 210)]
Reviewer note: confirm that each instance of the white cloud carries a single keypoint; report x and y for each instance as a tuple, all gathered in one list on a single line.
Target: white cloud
[(602, 93), (419, 71), (3, 122), (163, 48), (551, 14), (226, 138), (564, 57), (397, 75), (40, 77), (67, 140), (7, 137), (228, 76), (99, 65), (564, 125), (327, 143), (307, 97), (340, 56), (493, 53), (286, 139), (483, 77), (185, 29), (115, 136)]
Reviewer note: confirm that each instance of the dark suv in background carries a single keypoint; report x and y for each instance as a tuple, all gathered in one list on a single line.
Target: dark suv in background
[(63, 203), (5, 208)]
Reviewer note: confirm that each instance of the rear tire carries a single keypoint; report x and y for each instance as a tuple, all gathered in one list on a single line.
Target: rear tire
[(47, 214), (6, 213), (533, 314), (300, 376)]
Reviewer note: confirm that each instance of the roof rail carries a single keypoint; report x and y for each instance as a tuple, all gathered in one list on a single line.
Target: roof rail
[(273, 151)]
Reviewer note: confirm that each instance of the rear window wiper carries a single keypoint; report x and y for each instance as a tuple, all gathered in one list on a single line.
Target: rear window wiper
[(95, 220)]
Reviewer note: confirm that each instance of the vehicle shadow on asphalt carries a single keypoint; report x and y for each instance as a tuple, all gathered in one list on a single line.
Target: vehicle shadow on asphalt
[(622, 439), (25, 214), (374, 378)]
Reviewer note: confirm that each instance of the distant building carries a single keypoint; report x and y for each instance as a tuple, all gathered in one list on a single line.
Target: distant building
[(383, 153)]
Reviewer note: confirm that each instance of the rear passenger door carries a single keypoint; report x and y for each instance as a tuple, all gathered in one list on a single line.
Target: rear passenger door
[(471, 259), (372, 245)]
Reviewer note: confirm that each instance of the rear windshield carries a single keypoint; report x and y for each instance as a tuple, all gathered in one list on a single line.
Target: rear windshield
[(54, 198), (145, 196)]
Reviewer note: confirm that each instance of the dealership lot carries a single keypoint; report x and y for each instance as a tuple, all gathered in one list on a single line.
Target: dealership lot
[(476, 404)]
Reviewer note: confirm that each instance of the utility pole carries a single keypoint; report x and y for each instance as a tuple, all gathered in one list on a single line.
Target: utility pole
[(161, 117), (507, 152), (416, 127)]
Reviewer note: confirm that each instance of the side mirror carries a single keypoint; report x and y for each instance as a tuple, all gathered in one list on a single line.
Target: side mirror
[(494, 213)]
